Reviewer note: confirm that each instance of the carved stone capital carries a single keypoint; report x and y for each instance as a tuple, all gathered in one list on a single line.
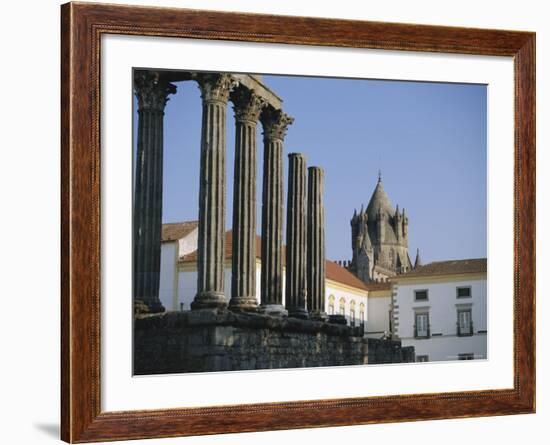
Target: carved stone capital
[(247, 105), (151, 90), (275, 123), (215, 87)]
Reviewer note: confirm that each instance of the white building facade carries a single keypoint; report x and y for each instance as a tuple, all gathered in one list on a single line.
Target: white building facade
[(379, 309), (441, 310), (344, 293)]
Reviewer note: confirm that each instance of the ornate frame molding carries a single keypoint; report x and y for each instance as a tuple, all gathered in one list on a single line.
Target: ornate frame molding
[(81, 28)]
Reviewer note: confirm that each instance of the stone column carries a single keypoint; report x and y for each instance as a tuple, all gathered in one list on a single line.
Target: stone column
[(215, 89), (316, 244), (295, 294), (152, 94), (247, 107), (275, 123)]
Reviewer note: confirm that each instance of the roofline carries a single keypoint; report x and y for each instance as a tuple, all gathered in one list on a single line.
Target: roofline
[(188, 264), (345, 285), (439, 277)]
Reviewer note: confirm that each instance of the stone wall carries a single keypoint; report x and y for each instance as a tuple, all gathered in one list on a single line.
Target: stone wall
[(221, 340)]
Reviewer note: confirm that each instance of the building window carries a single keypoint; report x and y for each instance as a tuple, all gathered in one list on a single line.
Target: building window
[(342, 306), (463, 292), (422, 358), (421, 325), (464, 322), (331, 305), (352, 313), (362, 314), (466, 356), (421, 295)]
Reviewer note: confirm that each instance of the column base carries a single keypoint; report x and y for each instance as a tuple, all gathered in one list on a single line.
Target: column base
[(144, 307), (298, 312), (337, 319), (244, 304), (318, 316), (209, 300), (275, 310)]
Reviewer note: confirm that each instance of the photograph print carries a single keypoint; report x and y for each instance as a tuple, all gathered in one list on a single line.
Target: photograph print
[(294, 222)]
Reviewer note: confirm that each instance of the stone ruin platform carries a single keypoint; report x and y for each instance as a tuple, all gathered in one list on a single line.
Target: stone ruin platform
[(210, 340)]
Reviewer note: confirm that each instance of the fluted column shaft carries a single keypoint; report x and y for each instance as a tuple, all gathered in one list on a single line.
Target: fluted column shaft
[(247, 107), (316, 244), (274, 124), (295, 295), (215, 89), (152, 94)]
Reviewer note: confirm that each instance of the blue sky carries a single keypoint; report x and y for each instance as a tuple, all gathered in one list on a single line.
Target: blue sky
[(428, 139)]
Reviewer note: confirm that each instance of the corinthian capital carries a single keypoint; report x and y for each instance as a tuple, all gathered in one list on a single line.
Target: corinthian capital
[(151, 90), (215, 87), (247, 105), (275, 123)]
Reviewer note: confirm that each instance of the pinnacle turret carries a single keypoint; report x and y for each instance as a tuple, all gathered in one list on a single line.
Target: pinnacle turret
[(380, 237), (397, 214), (354, 217), (418, 260)]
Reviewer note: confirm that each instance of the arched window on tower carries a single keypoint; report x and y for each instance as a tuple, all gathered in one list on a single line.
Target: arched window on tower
[(352, 313), (342, 306), (331, 305)]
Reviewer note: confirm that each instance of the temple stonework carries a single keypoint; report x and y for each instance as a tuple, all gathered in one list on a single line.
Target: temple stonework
[(229, 329), (379, 239), (253, 103)]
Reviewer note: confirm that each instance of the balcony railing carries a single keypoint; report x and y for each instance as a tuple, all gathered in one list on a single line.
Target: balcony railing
[(422, 334), (464, 331)]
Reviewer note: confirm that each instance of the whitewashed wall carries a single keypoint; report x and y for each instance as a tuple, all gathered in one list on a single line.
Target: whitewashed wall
[(189, 243), (186, 284), (379, 314), (187, 288), (348, 295), (448, 347), (442, 305)]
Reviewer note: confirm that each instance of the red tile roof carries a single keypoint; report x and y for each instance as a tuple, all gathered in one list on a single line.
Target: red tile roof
[(474, 265), (192, 257), (176, 231), (333, 271), (339, 274), (378, 285)]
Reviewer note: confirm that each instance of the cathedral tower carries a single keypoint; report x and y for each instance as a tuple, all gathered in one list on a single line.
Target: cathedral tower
[(379, 238)]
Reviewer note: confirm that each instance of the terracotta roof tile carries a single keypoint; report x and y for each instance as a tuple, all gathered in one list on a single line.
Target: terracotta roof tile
[(378, 285), (192, 257), (339, 274), (474, 265), (175, 231), (333, 271)]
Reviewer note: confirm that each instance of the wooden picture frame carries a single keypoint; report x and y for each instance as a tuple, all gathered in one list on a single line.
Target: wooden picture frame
[(82, 26)]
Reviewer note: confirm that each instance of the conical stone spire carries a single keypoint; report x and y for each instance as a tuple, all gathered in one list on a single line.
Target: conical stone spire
[(380, 235), (418, 260), (379, 201)]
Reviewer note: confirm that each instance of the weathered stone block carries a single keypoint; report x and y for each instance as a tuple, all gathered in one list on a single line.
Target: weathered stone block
[(219, 340)]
